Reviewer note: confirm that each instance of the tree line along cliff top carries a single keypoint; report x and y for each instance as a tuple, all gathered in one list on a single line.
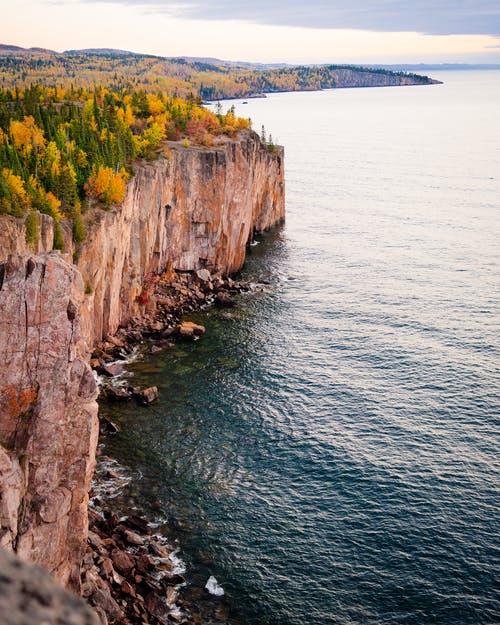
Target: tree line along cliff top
[(210, 79), (71, 124), (65, 150)]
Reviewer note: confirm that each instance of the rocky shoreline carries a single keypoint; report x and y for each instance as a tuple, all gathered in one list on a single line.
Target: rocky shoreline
[(129, 573), (187, 217), (169, 297)]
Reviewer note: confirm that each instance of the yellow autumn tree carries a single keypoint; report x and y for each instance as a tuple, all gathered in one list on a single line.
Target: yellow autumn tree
[(54, 204), (150, 139), (26, 135), (107, 186), (15, 200), (125, 115), (156, 105)]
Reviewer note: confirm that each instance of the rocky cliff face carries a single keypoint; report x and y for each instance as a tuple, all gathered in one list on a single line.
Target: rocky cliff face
[(197, 208), (346, 78), (13, 236), (48, 426)]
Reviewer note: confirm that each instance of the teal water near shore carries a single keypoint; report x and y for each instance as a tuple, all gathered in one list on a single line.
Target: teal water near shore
[(329, 449)]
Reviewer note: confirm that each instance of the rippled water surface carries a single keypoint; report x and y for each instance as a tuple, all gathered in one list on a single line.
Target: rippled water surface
[(329, 449)]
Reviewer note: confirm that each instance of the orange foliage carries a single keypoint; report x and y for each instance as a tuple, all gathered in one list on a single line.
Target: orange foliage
[(15, 402), (107, 186)]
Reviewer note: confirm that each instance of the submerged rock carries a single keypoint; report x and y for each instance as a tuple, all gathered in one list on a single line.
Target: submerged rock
[(161, 346), (223, 300), (108, 424), (114, 393)]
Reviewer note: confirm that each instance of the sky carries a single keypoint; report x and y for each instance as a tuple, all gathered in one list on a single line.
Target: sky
[(294, 31)]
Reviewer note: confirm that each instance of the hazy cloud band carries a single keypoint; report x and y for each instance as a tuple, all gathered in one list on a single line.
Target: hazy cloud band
[(436, 17)]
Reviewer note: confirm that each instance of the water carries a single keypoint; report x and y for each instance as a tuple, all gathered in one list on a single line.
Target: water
[(328, 451)]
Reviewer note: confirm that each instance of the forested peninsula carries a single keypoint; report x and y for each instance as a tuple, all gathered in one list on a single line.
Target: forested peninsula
[(209, 79)]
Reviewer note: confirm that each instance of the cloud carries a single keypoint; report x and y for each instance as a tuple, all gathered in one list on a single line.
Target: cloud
[(434, 17)]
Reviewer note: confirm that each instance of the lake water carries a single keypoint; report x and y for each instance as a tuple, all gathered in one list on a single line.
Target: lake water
[(329, 450)]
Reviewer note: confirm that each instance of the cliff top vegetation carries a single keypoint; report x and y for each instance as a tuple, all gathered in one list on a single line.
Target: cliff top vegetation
[(63, 150)]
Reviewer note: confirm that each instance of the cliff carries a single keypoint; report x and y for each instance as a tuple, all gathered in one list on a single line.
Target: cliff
[(197, 208), (194, 208), (346, 78), (48, 427)]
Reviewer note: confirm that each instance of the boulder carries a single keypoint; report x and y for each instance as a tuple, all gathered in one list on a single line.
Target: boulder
[(138, 523), (132, 538), (149, 395), (156, 606), (122, 561), (102, 598), (114, 393), (189, 330), (203, 275), (111, 370)]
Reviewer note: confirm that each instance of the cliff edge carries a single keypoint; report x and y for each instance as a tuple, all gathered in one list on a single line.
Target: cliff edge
[(191, 208)]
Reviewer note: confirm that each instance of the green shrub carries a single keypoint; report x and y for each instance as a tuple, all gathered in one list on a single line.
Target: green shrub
[(58, 237), (32, 228), (78, 229)]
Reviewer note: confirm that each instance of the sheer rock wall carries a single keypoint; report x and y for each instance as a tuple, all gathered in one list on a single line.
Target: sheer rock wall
[(198, 207)]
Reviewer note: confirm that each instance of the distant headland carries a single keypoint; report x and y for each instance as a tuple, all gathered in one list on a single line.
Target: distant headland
[(206, 78)]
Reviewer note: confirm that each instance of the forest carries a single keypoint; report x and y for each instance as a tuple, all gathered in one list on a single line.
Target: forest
[(63, 151), (212, 80), (72, 124)]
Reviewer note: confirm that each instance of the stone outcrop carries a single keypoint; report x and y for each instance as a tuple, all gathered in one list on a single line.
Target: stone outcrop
[(29, 596), (13, 236), (347, 78), (48, 414)]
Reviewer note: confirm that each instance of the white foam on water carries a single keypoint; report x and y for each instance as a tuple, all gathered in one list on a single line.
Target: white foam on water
[(179, 565)]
